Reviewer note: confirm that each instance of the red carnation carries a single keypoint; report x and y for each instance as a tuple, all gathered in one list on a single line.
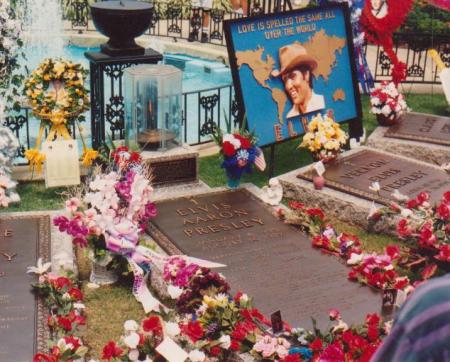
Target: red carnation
[(75, 293), (296, 205), (292, 358), (152, 324), (193, 330), (316, 345), (111, 350), (372, 333), (245, 143), (411, 204), (64, 323), (135, 157), (235, 345), (239, 333), (316, 212), (215, 351), (393, 251), (74, 341), (334, 314), (228, 149), (443, 211), (62, 282), (446, 197), (428, 271), (422, 197), (373, 319), (41, 357), (401, 283), (402, 228)]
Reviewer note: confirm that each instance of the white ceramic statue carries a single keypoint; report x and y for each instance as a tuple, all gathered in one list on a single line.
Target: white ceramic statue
[(273, 193)]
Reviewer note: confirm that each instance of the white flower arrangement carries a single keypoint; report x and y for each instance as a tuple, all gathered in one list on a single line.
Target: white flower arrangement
[(8, 149), (386, 100), (10, 53)]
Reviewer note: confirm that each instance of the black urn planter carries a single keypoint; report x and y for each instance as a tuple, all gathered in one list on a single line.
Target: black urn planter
[(121, 22)]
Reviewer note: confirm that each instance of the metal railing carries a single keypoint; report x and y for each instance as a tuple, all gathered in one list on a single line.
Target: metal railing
[(202, 111)]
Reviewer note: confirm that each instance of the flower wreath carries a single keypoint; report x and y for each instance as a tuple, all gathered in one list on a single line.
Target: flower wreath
[(68, 101), (57, 96), (379, 31)]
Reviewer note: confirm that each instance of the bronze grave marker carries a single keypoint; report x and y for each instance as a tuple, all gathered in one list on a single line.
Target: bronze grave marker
[(23, 328), (354, 174), (269, 260), (422, 127)]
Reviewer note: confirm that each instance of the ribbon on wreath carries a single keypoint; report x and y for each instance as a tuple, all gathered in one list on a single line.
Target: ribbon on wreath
[(140, 259), (58, 129)]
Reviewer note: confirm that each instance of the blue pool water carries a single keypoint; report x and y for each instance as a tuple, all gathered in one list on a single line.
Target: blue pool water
[(198, 75)]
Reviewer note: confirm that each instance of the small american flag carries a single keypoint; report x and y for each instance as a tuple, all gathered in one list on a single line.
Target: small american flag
[(260, 162)]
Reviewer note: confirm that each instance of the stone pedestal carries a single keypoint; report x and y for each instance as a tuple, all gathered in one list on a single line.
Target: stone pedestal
[(173, 166), (423, 151)]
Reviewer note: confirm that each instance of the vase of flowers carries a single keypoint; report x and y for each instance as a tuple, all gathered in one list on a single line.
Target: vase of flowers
[(109, 212), (387, 104), (239, 153), (324, 138)]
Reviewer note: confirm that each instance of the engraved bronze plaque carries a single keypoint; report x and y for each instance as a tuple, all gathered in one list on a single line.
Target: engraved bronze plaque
[(23, 328), (354, 174), (422, 127), (269, 260)]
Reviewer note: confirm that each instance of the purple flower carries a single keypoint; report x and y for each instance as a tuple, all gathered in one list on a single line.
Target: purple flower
[(80, 240), (150, 210), (62, 222)]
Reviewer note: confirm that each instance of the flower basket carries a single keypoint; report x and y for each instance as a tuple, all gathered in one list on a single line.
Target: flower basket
[(386, 121), (328, 158)]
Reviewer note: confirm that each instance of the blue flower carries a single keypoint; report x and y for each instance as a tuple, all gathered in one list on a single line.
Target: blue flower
[(306, 353)]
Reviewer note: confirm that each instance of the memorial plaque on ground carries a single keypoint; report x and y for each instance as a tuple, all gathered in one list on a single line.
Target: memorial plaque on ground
[(422, 127), (23, 328), (269, 260), (354, 174)]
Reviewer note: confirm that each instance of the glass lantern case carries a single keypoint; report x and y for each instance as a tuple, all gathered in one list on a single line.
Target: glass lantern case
[(153, 107)]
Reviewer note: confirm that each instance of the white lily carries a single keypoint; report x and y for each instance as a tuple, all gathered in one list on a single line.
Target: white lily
[(375, 187), (40, 268), (355, 259), (399, 196)]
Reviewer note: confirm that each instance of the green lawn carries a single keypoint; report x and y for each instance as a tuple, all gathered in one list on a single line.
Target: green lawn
[(288, 157)]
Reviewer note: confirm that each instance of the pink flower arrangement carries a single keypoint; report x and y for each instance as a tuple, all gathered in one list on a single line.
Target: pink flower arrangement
[(115, 206)]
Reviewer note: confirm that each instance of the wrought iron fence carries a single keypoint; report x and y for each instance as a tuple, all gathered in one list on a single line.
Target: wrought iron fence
[(411, 48), (202, 111), (178, 21)]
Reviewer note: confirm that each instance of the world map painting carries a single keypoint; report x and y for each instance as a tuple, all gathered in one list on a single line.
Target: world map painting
[(264, 53), (262, 68)]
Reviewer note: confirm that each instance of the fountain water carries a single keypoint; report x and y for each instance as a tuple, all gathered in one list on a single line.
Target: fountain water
[(44, 28)]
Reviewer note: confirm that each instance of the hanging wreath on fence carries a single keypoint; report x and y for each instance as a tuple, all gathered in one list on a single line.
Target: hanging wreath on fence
[(379, 19), (58, 97)]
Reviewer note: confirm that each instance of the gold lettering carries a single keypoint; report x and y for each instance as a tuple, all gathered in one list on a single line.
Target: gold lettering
[(187, 221), (212, 217), (188, 232), (8, 233), (240, 212), (201, 230), (257, 220), (181, 213), (226, 214), (246, 223), (236, 226), (214, 228)]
